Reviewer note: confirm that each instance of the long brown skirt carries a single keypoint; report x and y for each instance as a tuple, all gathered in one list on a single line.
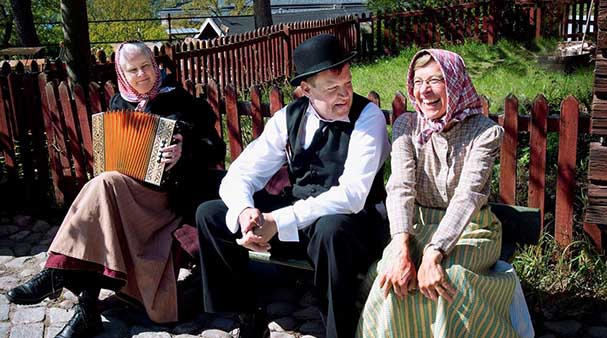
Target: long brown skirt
[(125, 226)]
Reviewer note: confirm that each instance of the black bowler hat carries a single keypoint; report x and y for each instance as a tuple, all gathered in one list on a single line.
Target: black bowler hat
[(316, 54)]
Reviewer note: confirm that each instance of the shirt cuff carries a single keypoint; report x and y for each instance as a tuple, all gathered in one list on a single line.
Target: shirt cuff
[(232, 217), (286, 224)]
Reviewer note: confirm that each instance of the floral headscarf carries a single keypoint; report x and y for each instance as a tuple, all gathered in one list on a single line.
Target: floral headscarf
[(124, 87), (462, 99)]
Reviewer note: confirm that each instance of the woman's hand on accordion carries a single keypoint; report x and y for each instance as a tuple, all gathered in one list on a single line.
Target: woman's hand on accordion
[(172, 153)]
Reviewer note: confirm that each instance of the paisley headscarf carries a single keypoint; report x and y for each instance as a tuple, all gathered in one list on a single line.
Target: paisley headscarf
[(462, 99), (124, 87)]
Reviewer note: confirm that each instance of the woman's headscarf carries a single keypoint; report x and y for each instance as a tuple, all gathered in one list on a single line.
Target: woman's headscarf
[(462, 99), (124, 87)]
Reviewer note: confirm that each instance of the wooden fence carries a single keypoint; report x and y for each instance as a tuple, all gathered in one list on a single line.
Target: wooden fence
[(575, 17)]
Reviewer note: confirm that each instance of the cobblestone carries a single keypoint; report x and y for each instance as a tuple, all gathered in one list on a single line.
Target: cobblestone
[(26, 315), (27, 331), (290, 313)]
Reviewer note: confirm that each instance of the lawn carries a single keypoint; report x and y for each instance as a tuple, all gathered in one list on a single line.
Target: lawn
[(496, 71)]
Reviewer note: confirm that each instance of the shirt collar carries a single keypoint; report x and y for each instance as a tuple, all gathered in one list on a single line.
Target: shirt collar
[(312, 111)]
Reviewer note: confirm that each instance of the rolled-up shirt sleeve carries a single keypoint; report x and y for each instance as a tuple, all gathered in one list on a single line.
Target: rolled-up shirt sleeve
[(472, 191), (367, 150), (252, 170)]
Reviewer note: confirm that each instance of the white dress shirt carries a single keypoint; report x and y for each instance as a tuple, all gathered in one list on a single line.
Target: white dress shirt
[(250, 172)]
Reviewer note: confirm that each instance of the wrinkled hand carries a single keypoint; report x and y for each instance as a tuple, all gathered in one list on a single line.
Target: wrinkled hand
[(431, 277), (171, 154), (401, 277), (250, 218), (258, 238)]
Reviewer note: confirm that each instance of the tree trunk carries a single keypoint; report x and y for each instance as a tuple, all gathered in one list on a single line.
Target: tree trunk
[(262, 13), (76, 40), (24, 23), (8, 27)]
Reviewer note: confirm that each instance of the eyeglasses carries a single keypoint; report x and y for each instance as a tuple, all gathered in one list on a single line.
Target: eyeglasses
[(433, 81)]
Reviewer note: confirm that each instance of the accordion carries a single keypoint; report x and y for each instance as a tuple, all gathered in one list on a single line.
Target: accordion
[(129, 142)]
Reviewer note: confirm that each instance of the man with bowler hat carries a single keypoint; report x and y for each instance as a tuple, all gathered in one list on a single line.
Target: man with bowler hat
[(333, 143)]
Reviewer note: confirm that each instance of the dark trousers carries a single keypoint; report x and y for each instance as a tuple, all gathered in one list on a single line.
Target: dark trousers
[(338, 246)]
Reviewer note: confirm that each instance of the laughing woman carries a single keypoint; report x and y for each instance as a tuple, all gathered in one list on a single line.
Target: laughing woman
[(435, 278)]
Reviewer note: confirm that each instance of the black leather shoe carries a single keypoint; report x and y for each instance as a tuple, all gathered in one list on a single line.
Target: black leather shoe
[(47, 283), (85, 323)]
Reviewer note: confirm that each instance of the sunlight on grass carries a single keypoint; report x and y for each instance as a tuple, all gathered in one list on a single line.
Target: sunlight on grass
[(496, 71)]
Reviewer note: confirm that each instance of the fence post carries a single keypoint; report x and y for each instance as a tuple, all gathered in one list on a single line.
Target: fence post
[(508, 152), (565, 185), (491, 32), (538, 129), (233, 122)]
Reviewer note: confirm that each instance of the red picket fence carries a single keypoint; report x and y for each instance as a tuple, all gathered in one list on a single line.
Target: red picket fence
[(257, 57), (59, 139)]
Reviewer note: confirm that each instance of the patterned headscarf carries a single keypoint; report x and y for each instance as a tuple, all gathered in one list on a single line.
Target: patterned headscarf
[(462, 99), (124, 87)]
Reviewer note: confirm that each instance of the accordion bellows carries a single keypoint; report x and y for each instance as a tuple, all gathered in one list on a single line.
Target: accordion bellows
[(129, 142)]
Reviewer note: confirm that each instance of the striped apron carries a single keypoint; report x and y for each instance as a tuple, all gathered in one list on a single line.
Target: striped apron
[(480, 307)]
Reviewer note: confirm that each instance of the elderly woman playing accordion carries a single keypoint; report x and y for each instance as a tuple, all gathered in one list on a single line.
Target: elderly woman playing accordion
[(118, 233)]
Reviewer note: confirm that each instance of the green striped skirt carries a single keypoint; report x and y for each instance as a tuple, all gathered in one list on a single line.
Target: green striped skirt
[(479, 309)]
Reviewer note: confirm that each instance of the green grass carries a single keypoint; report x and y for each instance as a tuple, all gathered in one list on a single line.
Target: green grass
[(496, 71)]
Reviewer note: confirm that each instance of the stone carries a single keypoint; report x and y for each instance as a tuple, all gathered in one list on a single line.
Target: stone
[(34, 238), (4, 329), (309, 313), (7, 230), (4, 259), (18, 262), (188, 327), (310, 336), (309, 299), (4, 310), (282, 335), (3, 299), (22, 249), (59, 316), (282, 324), (27, 331), (38, 249), (27, 273), (152, 335), (280, 309), (41, 226), (68, 295), (225, 324), (52, 331), (45, 241), (563, 328), (19, 236), (50, 234), (597, 331), (8, 282), (214, 333), (23, 220), (315, 328), (26, 315), (184, 336)]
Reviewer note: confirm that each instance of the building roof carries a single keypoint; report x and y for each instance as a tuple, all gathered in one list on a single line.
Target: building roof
[(233, 25)]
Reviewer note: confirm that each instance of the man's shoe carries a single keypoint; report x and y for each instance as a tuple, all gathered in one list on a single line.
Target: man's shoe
[(47, 283), (85, 323)]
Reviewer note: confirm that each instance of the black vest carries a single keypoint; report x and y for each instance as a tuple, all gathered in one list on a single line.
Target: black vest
[(314, 170)]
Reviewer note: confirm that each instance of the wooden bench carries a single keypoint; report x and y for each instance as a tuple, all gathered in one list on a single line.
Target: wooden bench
[(520, 226)]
